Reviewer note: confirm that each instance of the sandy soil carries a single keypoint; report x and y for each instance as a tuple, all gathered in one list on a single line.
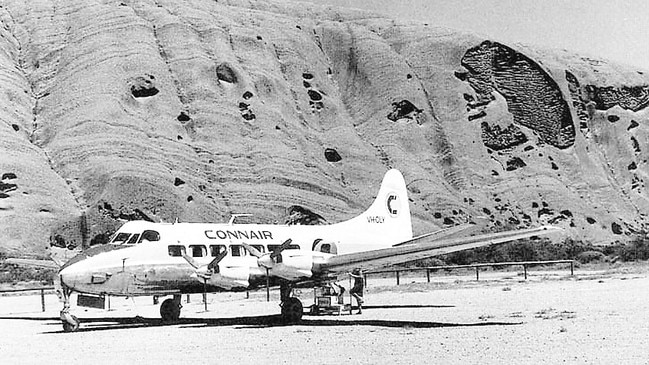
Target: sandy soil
[(596, 317)]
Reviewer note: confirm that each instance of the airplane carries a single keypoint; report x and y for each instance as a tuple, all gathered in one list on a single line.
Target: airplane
[(161, 259)]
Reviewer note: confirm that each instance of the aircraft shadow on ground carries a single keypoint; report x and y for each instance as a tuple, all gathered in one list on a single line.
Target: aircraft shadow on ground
[(115, 323)]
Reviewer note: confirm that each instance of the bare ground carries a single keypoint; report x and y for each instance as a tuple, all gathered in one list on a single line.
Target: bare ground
[(598, 316)]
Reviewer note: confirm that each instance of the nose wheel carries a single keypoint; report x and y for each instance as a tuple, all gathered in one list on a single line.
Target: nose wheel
[(70, 322)]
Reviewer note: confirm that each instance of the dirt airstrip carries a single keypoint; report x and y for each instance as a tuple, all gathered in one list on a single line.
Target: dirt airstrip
[(596, 317)]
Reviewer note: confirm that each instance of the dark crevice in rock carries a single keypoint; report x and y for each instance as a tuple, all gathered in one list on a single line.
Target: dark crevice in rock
[(142, 87), (404, 109), (178, 181), (15, 127), (332, 155), (498, 139), (224, 72), (532, 96), (183, 117), (633, 124), (515, 163), (297, 215), (634, 98)]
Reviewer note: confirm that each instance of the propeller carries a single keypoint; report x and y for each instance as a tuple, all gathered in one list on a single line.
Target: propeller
[(268, 260), (205, 271)]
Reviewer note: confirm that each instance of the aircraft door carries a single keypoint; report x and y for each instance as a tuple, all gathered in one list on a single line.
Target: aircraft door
[(326, 247)]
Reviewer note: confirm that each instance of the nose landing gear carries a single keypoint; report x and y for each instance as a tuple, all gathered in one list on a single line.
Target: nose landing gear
[(69, 321)]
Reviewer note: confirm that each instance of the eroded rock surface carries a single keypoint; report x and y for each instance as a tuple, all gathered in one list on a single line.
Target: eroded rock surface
[(157, 110)]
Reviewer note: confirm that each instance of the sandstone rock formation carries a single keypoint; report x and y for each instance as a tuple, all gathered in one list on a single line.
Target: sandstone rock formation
[(196, 109)]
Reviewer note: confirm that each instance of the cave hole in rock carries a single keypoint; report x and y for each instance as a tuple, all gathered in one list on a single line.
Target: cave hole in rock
[(9, 176), (554, 166), (437, 215), (616, 228), (448, 221), (243, 106), (178, 181), (314, 95), (142, 87), (591, 220), (190, 199), (298, 215), (633, 124), (306, 84), (408, 76), (461, 75), (183, 117), (247, 95), (613, 118), (3, 196), (515, 163), (307, 76), (259, 38), (179, 137), (224, 72), (332, 155), (402, 109), (248, 115), (632, 166), (15, 127)]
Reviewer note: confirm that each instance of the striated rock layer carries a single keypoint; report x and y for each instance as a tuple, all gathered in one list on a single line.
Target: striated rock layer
[(197, 109)]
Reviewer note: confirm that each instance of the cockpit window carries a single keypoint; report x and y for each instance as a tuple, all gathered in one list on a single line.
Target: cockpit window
[(133, 239), (259, 248), (272, 248), (198, 250), (150, 235), (176, 250), (121, 238)]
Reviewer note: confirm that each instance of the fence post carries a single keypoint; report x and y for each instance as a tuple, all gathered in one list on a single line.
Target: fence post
[(525, 270), (397, 277), (428, 275), (572, 268), (477, 273), (43, 299)]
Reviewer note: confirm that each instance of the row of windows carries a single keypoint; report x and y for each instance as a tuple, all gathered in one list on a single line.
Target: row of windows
[(215, 250)]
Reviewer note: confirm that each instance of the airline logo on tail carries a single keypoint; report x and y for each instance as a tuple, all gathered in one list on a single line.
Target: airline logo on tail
[(393, 205)]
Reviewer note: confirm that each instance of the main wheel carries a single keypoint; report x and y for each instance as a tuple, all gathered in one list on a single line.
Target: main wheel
[(169, 311), (71, 327), (292, 310)]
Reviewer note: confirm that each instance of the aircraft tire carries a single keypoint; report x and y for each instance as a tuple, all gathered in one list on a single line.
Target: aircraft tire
[(169, 311), (292, 310), (71, 327)]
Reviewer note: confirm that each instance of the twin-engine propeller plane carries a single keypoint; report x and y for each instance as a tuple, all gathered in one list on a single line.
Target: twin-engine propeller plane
[(144, 258)]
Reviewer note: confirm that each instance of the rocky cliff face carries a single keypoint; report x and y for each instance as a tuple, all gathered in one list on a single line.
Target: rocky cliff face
[(197, 109)]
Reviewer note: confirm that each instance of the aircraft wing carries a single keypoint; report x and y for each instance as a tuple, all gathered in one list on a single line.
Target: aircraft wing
[(422, 247)]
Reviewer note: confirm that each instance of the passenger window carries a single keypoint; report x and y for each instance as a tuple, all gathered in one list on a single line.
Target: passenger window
[(133, 239), (198, 250), (272, 248), (150, 236), (176, 250), (121, 237), (259, 248), (237, 250), (215, 250)]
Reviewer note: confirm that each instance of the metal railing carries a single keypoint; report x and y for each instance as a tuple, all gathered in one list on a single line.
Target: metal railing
[(42, 290), (477, 267)]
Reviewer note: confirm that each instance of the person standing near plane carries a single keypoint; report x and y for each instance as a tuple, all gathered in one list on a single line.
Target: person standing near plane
[(357, 290)]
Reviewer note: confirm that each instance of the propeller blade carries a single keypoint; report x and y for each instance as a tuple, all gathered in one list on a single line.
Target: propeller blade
[(191, 261), (251, 250), (214, 265), (281, 248)]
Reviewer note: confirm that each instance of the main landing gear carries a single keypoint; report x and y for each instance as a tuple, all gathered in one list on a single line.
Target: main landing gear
[(292, 308), (70, 322), (170, 309)]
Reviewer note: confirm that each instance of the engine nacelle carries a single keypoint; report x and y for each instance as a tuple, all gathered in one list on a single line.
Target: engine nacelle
[(296, 264), (230, 277)]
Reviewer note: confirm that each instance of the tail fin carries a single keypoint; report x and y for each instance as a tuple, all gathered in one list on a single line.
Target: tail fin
[(387, 220)]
